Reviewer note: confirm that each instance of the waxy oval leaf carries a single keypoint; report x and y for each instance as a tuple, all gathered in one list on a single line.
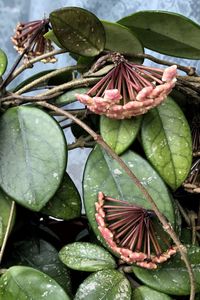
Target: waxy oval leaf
[(5, 207), (66, 203), (166, 32), (145, 293), (104, 174), (41, 255), (86, 257), (105, 284), (78, 30), (119, 134), (121, 39), (32, 157), (3, 62), (172, 277), (70, 96), (28, 283), (167, 142)]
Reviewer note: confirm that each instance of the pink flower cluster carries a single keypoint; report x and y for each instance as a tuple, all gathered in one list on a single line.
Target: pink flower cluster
[(147, 98), (130, 256)]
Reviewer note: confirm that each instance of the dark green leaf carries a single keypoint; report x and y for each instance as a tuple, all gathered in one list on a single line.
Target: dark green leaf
[(167, 142), (3, 62), (172, 277), (33, 156), (24, 283), (86, 257), (145, 293), (40, 255), (105, 284), (119, 134), (122, 40), (78, 30), (166, 32), (69, 97), (104, 174), (66, 203), (5, 206)]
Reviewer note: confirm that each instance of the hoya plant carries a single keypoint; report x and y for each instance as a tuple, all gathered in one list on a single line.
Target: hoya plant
[(133, 230)]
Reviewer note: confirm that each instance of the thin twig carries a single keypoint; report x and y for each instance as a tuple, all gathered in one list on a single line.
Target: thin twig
[(10, 219), (188, 70), (30, 63), (166, 225), (47, 76)]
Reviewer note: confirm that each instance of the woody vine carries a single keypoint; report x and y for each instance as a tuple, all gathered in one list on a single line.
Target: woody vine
[(142, 125)]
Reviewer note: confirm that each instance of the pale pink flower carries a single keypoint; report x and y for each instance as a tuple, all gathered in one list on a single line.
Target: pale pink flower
[(129, 90)]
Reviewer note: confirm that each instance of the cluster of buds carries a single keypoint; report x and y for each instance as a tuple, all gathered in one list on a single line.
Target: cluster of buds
[(29, 39), (130, 232), (129, 89)]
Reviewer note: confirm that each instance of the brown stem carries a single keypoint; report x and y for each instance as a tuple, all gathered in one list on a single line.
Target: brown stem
[(189, 70), (10, 219), (166, 225)]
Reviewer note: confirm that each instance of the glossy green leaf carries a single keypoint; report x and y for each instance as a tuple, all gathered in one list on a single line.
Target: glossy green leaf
[(106, 285), (119, 134), (86, 257), (5, 207), (104, 174), (32, 157), (66, 203), (145, 293), (167, 142), (50, 35), (121, 39), (172, 277), (78, 30), (40, 255), (70, 96), (28, 283), (166, 32), (3, 62)]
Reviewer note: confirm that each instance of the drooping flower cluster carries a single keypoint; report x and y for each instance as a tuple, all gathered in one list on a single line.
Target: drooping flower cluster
[(130, 232), (29, 37), (129, 89)]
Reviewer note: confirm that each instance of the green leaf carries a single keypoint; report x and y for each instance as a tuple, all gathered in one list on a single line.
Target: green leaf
[(119, 134), (32, 157), (105, 284), (167, 142), (86, 257), (104, 174), (121, 39), (172, 277), (69, 97), (3, 62), (166, 32), (50, 35), (78, 30), (40, 255), (66, 203), (5, 207), (145, 293), (28, 283)]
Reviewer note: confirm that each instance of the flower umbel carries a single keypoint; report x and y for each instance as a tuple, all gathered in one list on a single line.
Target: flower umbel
[(29, 37), (129, 89), (130, 232)]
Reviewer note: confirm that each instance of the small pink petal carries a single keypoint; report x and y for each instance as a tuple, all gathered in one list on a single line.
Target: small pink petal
[(144, 93), (112, 95), (85, 99), (100, 220), (169, 73)]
